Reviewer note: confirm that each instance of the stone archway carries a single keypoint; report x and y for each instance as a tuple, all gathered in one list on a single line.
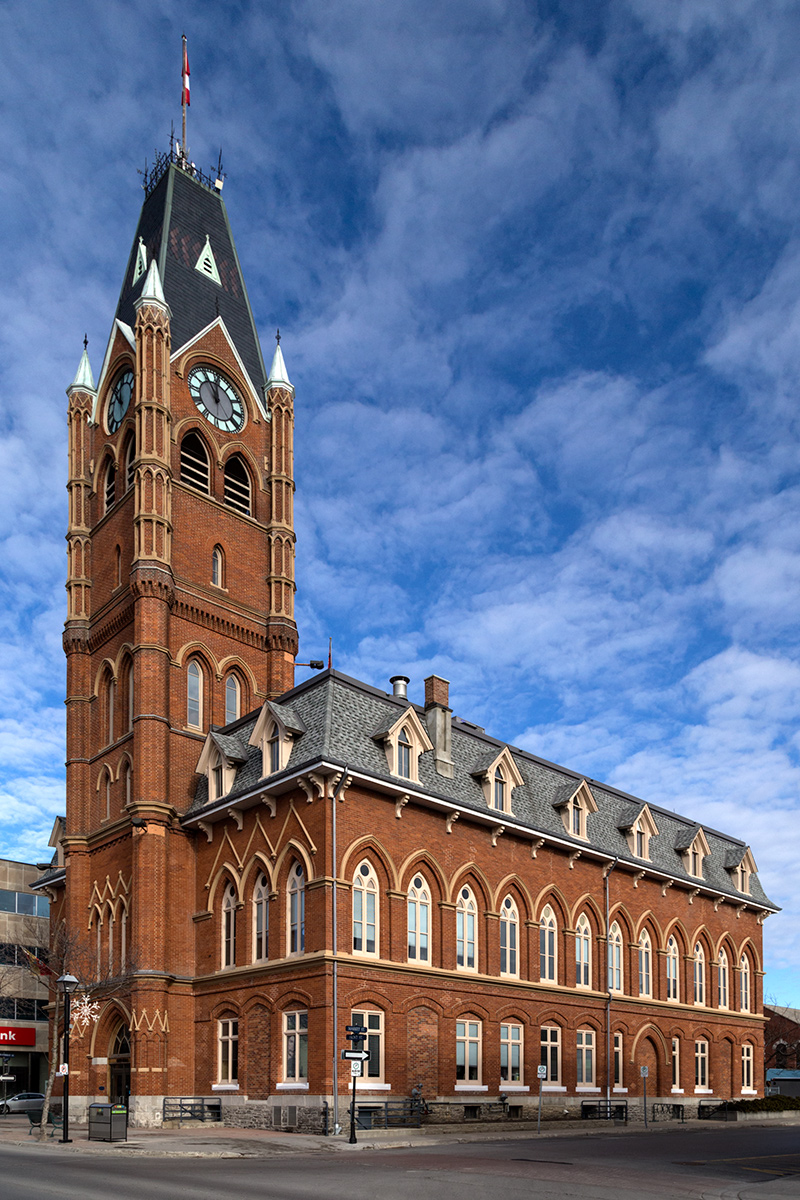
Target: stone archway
[(119, 1066), (647, 1056)]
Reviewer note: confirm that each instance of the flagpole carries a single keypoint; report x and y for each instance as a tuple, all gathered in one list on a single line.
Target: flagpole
[(183, 95)]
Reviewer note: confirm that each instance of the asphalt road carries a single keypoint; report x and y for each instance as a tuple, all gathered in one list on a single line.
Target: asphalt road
[(718, 1164)]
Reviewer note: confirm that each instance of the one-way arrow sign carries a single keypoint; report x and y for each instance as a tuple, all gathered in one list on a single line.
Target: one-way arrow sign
[(356, 1055)]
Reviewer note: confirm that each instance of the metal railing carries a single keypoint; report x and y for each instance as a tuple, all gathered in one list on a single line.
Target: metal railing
[(604, 1110), (191, 1108)]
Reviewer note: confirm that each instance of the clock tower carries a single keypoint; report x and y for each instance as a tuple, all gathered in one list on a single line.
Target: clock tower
[(180, 591)]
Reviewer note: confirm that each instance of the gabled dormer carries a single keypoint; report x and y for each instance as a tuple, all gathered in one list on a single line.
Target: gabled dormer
[(220, 757), (638, 828), (740, 863), (277, 727), (575, 804), (693, 847), (498, 775), (404, 739)]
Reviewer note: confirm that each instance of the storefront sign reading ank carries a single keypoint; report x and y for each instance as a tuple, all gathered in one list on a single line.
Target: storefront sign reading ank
[(17, 1035)]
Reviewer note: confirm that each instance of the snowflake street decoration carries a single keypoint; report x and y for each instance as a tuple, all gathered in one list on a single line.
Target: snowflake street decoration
[(85, 1011)]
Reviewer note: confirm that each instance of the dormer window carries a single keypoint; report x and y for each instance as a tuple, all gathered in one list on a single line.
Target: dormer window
[(638, 830), (274, 732), (575, 804), (498, 775), (222, 755), (404, 739), (218, 778), (742, 865), (693, 847)]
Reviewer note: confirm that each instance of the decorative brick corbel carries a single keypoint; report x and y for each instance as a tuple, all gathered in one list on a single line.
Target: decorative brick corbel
[(207, 829), (271, 803), (667, 884), (639, 875), (536, 845), (719, 900), (451, 820), (400, 805), (236, 816), (694, 892), (498, 832), (573, 858)]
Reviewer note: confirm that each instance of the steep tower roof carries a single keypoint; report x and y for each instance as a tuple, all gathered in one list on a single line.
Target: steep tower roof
[(184, 227)]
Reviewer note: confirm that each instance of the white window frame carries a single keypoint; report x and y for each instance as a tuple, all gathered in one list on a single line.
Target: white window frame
[(550, 1052), (466, 930), (645, 952), (723, 980), (673, 970), (548, 946), (699, 975), (366, 911), (217, 567), (469, 1047), (418, 924), (229, 927), (584, 1057), (747, 1067), (676, 1065), (372, 1019), (194, 703), (295, 1046), (296, 911), (509, 938), (261, 893), (616, 974), (618, 1061), (405, 749), (499, 790), (701, 1075), (512, 1053), (744, 984), (583, 952), (233, 691), (228, 1050)]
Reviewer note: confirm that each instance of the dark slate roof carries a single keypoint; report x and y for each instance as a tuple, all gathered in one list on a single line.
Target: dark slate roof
[(232, 746), (341, 716), (176, 217), (484, 761)]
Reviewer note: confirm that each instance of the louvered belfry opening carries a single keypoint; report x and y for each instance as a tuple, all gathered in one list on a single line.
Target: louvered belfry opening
[(237, 485), (194, 463)]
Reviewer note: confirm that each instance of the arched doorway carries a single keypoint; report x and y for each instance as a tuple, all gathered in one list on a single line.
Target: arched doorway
[(119, 1067)]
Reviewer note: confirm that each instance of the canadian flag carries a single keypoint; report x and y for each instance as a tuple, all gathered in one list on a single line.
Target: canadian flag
[(185, 76)]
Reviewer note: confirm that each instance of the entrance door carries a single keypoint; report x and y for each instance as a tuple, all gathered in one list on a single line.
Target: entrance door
[(119, 1067)]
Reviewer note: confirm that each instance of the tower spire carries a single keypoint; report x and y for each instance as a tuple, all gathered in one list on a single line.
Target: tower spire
[(185, 101)]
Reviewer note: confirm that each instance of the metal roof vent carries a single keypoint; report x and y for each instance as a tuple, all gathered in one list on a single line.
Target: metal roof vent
[(400, 685)]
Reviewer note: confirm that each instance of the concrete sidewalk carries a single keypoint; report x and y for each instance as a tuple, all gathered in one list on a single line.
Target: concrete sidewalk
[(217, 1141)]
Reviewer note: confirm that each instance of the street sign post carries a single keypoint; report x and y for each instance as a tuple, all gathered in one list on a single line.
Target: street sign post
[(356, 1068), (355, 1055), (541, 1072), (644, 1072), (362, 1029)]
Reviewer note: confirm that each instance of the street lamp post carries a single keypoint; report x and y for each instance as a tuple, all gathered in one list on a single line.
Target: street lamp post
[(68, 984)]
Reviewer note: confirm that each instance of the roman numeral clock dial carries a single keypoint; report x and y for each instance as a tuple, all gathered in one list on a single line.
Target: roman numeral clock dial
[(216, 398)]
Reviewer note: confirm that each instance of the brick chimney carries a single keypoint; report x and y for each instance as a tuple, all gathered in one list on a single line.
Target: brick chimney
[(437, 718)]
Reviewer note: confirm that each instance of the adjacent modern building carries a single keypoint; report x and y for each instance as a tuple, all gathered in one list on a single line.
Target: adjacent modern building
[(274, 863), (24, 937)]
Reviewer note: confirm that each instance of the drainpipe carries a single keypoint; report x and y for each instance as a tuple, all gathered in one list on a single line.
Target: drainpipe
[(335, 942), (608, 987)]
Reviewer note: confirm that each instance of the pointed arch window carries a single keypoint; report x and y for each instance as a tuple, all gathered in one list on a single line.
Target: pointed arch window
[(232, 699), (194, 463), (615, 977), (237, 488), (500, 789), (274, 749), (261, 919), (110, 486), (673, 961), (111, 697), (722, 980), (699, 973), (744, 983), (419, 916), (107, 793), (509, 937), (218, 567), (576, 815), (123, 940), (297, 910), (128, 783), (365, 910), (404, 754), (583, 953), (645, 955), (466, 946), (130, 459), (194, 695), (548, 958), (229, 926)]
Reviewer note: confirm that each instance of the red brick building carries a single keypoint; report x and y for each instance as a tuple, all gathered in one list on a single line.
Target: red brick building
[(278, 862)]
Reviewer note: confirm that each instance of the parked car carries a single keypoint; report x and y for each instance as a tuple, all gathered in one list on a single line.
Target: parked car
[(22, 1102)]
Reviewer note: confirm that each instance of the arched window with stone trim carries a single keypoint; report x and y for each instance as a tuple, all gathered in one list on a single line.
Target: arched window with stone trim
[(237, 488), (107, 796), (365, 910), (194, 694), (722, 979), (229, 926), (233, 693), (130, 459), (109, 486), (500, 790), (419, 920), (744, 984), (645, 964), (194, 463), (673, 970), (274, 749), (466, 940), (548, 946), (583, 952), (616, 979), (509, 937), (699, 974), (296, 924), (218, 567), (404, 754), (261, 919)]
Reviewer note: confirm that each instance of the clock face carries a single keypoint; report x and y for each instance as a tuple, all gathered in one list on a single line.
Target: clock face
[(119, 400), (216, 398)]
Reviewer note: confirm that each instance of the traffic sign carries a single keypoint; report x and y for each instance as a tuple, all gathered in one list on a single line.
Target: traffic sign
[(541, 1071), (362, 1029), (7, 1078), (644, 1072), (355, 1055), (356, 1037), (356, 1069)]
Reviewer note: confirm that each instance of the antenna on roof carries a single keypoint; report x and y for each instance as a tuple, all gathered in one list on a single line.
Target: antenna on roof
[(330, 653), (185, 100)]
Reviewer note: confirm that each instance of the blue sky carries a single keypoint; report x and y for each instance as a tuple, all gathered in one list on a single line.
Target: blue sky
[(537, 271)]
